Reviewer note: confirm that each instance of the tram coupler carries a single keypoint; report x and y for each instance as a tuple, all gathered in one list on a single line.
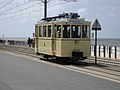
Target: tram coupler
[(77, 55)]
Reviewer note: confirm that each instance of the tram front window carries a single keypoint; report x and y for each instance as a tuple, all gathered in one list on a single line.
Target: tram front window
[(85, 31), (66, 31), (76, 31)]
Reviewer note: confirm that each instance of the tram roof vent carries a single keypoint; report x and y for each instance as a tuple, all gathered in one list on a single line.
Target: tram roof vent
[(74, 16)]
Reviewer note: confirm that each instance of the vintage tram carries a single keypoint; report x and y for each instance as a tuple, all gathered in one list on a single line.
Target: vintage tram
[(64, 36)]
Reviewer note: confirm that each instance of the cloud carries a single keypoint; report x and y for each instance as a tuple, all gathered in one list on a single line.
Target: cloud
[(111, 15), (24, 20), (84, 2), (82, 10)]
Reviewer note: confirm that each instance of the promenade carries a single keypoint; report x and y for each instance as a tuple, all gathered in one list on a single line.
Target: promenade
[(107, 52)]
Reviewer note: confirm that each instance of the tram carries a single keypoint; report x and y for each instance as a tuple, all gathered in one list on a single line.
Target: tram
[(64, 36)]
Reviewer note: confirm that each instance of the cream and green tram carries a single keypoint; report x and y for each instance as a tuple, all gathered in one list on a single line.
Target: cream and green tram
[(68, 38)]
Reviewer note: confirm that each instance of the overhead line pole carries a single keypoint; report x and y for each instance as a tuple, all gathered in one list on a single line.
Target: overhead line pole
[(45, 7)]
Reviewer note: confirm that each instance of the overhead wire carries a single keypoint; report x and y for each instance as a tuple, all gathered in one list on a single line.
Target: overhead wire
[(27, 12), (6, 4), (15, 7), (20, 10)]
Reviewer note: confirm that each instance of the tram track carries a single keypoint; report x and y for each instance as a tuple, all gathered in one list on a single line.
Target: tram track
[(112, 65), (106, 68), (107, 60)]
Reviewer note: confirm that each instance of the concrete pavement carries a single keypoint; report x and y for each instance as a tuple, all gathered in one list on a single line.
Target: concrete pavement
[(18, 73)]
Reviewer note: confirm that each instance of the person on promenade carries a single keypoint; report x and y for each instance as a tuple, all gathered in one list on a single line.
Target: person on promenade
[(29, 42)]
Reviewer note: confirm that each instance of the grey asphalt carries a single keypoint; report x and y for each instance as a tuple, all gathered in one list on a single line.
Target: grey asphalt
[(18, 73)]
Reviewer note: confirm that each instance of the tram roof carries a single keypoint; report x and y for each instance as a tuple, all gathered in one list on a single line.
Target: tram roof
[(68, 21)]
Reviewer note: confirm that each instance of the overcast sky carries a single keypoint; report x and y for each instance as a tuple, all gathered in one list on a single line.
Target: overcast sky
[(17, 25)]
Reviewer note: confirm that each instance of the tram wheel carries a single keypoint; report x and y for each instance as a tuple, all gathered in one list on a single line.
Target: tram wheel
[(46, 57)]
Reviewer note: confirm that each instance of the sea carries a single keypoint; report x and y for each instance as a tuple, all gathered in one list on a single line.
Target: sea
[(107, 41), (15, 38), (100, 41)]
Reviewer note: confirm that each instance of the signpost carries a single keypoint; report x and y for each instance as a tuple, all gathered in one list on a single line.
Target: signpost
[(96, 26)]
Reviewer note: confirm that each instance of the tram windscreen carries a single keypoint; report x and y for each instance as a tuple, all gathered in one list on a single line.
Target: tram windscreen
[(85, 31), (76, 31)]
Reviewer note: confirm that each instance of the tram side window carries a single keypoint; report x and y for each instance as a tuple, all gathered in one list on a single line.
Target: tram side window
[(44, 31), (36, 31), (76, 31), (85, 31), (88, 31), (40, 31), (49, 31), (66, 31), (58, 31)]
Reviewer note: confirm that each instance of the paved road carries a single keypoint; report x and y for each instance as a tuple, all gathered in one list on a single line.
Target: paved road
[(18, 73)]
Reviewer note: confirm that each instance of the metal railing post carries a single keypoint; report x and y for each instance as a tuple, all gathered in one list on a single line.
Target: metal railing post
[(115, 52), (104, 50), (99, 50), (109, 52)]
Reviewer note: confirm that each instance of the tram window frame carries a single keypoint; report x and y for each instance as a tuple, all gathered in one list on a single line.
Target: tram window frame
[(88, 31), (58, 32), (84, 35), (44, 31), (85, 31), (36, 31), (40, 31), (75, 31), (66, 33), (49, 30)]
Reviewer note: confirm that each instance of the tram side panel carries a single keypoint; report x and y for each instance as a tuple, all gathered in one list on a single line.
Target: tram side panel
[(45, 46), (67, 47)]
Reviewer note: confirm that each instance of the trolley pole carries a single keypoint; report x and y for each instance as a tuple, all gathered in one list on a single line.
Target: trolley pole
[(96, 26)]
